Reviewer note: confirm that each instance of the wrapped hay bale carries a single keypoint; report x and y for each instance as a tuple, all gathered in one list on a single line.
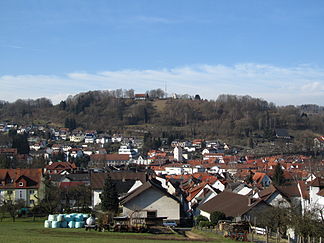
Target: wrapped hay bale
[(47, 224), (71, 224)]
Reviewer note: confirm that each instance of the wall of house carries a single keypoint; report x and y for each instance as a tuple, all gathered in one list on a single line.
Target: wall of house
[(205, 214), (21, 194), (96, 197), (276, 200), (218, 185), (152, 200), (316, 201)]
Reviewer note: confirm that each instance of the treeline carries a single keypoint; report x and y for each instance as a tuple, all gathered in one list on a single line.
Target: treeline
[(227, 116)]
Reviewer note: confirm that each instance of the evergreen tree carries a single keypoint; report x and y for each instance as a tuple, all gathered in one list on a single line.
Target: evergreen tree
[(20, 142), (109, 196), (278, 176)]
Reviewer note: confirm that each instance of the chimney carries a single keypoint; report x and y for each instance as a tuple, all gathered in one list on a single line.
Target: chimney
[(250, 201)]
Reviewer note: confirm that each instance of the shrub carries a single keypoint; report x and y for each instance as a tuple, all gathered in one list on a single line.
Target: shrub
[(205, 224), (216, 216), (200, 218)]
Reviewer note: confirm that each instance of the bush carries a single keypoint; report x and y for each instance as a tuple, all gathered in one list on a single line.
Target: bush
[(216, 216), (205, 224), (200, 218)]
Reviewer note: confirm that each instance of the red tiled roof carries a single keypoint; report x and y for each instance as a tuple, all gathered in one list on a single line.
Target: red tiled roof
[(31, 176), (113, 157), (61, 166), (195, 190), (68, 184), (321, 193), (317, 182)]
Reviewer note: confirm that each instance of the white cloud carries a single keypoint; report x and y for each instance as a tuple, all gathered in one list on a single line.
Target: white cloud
[(281, 85)]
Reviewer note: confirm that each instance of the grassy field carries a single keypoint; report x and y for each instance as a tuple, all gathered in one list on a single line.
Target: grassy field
[(24, 230)]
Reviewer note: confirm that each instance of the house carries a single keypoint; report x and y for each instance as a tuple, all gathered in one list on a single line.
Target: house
[(104, 160), (243, 189), (141, 161), (319, 142), (282, 134), (124, 181), (8, 152), (129, 150), (261, 178), (60, 168), (209, 151), (89, 138), (83, 178), (141, 96), (235, 206), (153, 199), (75, 153), (77, 138), (21, 184), (273, 196), (200, 194), (104, 139), (177, 154), (316, 196), (215, 157)]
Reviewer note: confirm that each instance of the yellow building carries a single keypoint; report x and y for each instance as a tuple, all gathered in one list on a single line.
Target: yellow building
[(21, 184)]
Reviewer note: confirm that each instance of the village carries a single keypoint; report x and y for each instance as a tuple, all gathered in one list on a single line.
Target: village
[(179, 184)]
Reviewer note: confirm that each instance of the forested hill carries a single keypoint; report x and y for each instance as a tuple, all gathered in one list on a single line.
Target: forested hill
[(229, 116)]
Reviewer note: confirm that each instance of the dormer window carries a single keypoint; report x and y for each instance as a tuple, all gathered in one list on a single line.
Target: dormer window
[(21, 184)]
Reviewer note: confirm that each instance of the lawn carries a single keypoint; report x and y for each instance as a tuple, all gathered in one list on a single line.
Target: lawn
[(25, 230)]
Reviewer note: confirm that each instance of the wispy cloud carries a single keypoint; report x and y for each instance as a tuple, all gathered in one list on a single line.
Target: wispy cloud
[(154, 19), (12, 46), (281, 85)]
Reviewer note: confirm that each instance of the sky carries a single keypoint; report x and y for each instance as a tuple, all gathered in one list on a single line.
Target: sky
[(266, 49)]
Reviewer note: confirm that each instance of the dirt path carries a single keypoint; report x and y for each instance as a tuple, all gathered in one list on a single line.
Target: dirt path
[(194, 236)]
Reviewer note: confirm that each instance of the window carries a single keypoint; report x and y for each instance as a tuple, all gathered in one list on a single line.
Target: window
[(32, 202), (151, 214), (31, 192), (21, 184), (20, 194)]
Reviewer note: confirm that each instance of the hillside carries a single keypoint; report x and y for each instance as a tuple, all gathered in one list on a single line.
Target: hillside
[(237, 119)]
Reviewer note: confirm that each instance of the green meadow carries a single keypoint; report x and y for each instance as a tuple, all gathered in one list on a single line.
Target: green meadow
[(25, 230)]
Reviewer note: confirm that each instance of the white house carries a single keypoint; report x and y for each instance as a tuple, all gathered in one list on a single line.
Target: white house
[(177, 154), (273, 196), (129, 150), (141, 161), (316, 196), (77, 138), (153, 199), (166, 185), (199, 195)]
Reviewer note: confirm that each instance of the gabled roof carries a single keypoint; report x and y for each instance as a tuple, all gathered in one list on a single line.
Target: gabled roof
[(265, 194), (231, 204), (317, 182), (61, 166), (321, 193), (97, 180), (110, 157), (73, 177), (70, 184), (195, 190), (147, 185), (31, 176), (258, 177)]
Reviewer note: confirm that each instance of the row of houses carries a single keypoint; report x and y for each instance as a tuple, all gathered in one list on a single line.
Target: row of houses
[(173, 197)]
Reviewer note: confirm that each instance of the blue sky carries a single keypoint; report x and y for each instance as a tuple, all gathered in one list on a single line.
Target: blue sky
[(268, 49)]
